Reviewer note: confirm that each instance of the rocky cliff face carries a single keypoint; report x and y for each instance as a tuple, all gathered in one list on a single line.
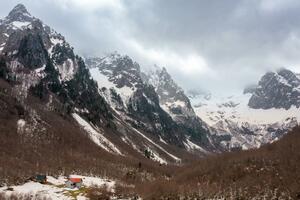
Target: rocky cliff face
[(279, 89), (41, 67), (161, 108), (175, 102), (40, 61), (172, 98)]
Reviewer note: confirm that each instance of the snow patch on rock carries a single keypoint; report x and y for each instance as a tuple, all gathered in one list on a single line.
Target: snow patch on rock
[(96, 136), (20, 25), (153, 143), (103, 81), (67, 70), (190, 146), (21, 125)]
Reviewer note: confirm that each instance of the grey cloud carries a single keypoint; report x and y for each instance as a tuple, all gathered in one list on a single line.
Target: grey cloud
[(238, 39)]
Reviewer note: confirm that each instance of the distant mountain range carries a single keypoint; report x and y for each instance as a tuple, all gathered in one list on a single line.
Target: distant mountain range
[(123, 109), (260, 114), (108, 97)]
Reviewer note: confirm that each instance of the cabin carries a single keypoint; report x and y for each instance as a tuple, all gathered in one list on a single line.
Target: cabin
[(73, 182), (40, 178)]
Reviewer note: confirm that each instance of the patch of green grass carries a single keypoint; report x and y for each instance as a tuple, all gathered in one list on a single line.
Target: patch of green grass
[(74, 193), (61, 186)]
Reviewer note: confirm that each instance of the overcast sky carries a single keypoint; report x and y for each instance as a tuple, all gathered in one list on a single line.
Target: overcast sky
[(204, 44)]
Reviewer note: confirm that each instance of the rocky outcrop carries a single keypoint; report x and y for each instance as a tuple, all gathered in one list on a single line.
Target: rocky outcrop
[(279, 89)]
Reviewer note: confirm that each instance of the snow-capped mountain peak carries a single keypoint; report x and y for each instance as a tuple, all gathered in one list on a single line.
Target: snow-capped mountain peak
[(279, 89), (262, 114), (120, 69), (172, 97), (116, 72), (150, 100), (159, 77), (19, 13), (22, 30), (175, 102), (18, 18)]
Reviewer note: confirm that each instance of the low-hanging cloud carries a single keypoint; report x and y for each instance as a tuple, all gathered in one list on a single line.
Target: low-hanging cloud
[(205, 44)]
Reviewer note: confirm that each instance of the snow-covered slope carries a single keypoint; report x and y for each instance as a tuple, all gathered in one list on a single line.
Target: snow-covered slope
[(235, 124), (171, 97), (119, 74), (235, 107), (96, 135)]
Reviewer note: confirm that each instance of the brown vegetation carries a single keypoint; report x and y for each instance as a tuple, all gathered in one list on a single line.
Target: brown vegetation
[(272, 171), (21, 197), (60, 150)]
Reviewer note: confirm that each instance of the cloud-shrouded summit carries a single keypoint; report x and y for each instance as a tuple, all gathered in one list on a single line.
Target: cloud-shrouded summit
[(212, 45)]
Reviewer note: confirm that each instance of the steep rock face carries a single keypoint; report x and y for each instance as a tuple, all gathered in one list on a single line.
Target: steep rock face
[(125, 90), (174, 101), (171, 96), (40, 61), (279, 89), (118, 73), (140, 103)]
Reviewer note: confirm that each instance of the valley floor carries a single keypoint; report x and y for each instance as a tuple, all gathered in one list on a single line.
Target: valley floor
[(270, 172), (56, 188)]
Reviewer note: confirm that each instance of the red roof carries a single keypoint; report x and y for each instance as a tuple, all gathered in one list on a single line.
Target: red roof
[(75, 180)]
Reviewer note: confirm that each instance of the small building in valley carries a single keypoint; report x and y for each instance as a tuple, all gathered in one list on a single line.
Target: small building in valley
[(74, 182), (40, 178)]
